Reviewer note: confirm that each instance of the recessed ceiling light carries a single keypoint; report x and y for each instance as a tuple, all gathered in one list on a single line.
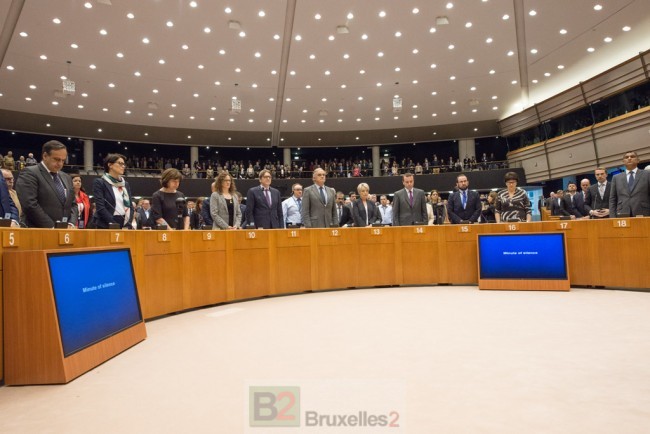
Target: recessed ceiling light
[(222, 52), (494, 97), (495, 108), (287, 99), (453, 77), (362, 72), (415, 11), (120, 55), (261, 14), (468, 25), (489, 40), (364, 36), (258, 54), (449, 5), (598, 7), (470, 60), (145, 40), (56, 21), (179, 79), (350, 15), (92, 67), (433, 66), (533, 51), (55, 103), (451, 46), (511, 53), (377, 109), (358, 119), (28, 99), (535, 81), (434, 93), (382, 14), (276, 36), (453, 103), (273, 72), (591, 49), (327, 73), (130, 15), (532, 13), (111, 85), (170, 24), (23, 34), (378, 84), (432, 30), (155, 90), (103, 32), (88, 5), (346, 56), (563, 32), (85, 95), (298, 38), (398, 34), (80, 106), (627, 28), (492, 71), (317, 17), (380, 54), (104, 109), (505, 17), (43, 57), (31, 86), (513, 82), (454, 113), (473, 88), (161, 61), (149, 114), (607, 39), (207, 29), (360, 98), (137, 73), (560, 67), (331, 37), (193, 4), (415, 51)]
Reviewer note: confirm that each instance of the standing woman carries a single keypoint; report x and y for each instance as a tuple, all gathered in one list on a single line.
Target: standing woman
[(436, 209), (487, 214), (364, 211), (163, 201), (83, 202), (112, 195), (512, 203), (224, 204)]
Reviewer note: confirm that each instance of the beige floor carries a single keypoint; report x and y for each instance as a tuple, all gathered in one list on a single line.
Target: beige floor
[(443, 359)]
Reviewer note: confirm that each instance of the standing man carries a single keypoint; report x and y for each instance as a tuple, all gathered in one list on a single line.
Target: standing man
[(144, 216), (409, 204), (7, 205), (385, 211), (292, 207), (574, 200), (599, 192), (585, 198), (46, 192), (630, 193), (263, 204), (318, 209), (560, 205), (9, 179), (343, 211), (463, 205)]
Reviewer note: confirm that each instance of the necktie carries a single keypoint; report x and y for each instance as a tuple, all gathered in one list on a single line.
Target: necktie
[(299, 204), (411, 197), (322, 195), (58, 185), (340, 212), (464, 198), (601, 189), (268, 196), (630, 180)]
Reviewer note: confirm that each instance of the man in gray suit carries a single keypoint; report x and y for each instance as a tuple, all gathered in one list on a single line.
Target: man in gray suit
[(45, 192), (318, 209), (630, 191), (409, 204)]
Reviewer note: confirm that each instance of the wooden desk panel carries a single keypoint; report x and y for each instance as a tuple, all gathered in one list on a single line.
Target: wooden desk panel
[(251, 273), (207, 241), (335, 258), (293, 267), (205, 279), (161, 242), (378, 257), (419, 255), (161, 289)]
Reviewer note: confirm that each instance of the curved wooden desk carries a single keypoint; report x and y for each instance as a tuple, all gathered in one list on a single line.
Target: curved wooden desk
[(181, 270)]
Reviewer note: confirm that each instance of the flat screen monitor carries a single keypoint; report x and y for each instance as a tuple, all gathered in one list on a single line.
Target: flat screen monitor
[(522, 256), (95, 295)]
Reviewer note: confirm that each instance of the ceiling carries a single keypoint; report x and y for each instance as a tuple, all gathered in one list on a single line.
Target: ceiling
[(300, 80)]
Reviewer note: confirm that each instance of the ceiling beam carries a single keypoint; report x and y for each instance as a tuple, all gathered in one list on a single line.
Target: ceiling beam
[(284, 66), (9, 26), (522, 51)]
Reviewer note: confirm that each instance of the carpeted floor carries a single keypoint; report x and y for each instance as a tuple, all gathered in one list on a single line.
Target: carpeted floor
[(426, 359)]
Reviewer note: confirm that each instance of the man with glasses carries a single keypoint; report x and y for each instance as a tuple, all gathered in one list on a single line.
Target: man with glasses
[(318, 209), (9, 179), (45, 192), (292, 207), (263, 204)]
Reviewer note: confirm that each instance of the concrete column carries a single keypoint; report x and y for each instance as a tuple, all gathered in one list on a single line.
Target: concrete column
[(467, 147), (88, 154), (286, 157), (376, 170), (194, 156)]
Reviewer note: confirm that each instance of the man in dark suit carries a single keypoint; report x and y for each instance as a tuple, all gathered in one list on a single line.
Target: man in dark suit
[(7, 205), (463, 205), (574, 200), (560, 207), (263, 204), (45, 192), (585, 198), (318, 209), (144, 216), (343, 211), (630, 193), (409, 204), (599, 193)]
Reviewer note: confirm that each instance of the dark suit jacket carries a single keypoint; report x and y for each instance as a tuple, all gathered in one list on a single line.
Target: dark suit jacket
[(596, 201), (346, 215), (315, 213), (472, 210), (561, 207), (577, 205), (404, 214), (205, 212), (40, 202), (359, 213), (142, 219), (105, 202), (7, 203), (258, 210), (635, 202)]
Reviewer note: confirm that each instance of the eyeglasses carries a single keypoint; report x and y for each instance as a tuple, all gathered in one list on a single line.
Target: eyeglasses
[(120, 163)]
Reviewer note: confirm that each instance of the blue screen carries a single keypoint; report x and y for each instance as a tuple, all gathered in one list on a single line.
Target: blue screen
[(95, 296), (522, 256)]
